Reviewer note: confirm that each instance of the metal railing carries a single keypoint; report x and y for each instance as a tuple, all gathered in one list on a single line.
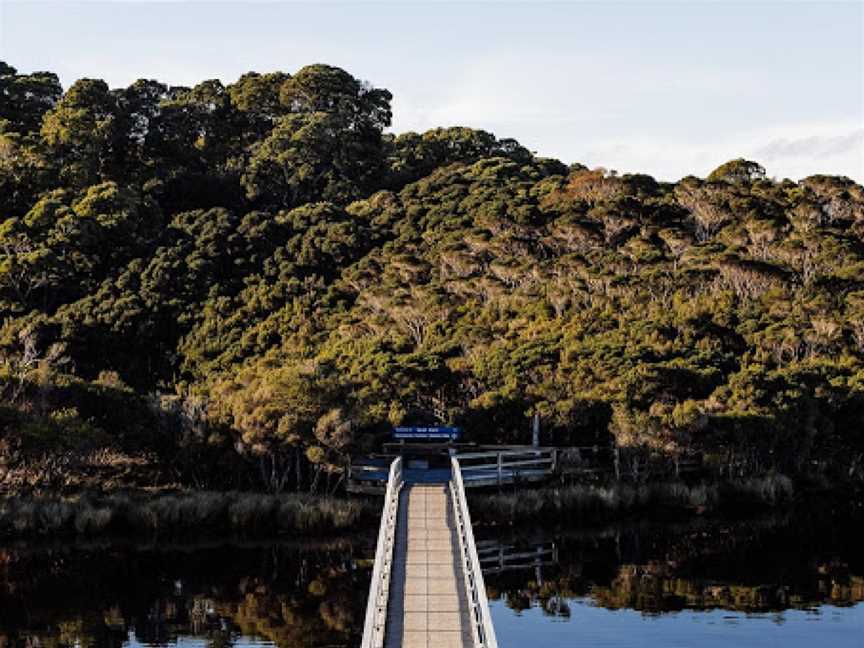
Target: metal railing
[(379, 588), (505, 466), (481, 620), (496, 558)]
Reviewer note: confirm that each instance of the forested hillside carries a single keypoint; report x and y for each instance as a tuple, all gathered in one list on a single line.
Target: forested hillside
[(238, 286)]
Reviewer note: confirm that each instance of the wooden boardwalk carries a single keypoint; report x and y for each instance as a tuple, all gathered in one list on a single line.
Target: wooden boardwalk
[(428, 603), (427, 587)]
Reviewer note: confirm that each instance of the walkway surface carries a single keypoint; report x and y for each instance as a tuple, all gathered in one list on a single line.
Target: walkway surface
[(427, 605)]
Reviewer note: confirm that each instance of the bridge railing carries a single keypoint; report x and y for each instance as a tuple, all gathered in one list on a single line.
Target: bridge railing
[(482, 629), (379, 587), (496, 558), (506, 466)]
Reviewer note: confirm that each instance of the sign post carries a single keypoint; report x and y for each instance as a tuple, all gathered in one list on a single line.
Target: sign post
[(535, 437)]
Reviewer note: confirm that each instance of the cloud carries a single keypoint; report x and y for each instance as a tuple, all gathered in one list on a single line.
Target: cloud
[(787, 151), (667, 125), (814, 146)]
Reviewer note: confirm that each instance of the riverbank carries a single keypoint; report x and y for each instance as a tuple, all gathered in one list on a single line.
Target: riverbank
[(594, 503), (179, 514), (184, 513)]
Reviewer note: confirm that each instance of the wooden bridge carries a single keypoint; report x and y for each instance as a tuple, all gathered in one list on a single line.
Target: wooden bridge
[(427, 586)]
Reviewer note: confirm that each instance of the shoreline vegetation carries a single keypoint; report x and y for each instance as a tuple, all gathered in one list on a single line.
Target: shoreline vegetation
[(253, 515), (188, 513), (600, 503)]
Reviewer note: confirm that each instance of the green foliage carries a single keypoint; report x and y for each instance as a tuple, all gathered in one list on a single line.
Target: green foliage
[(289, 280), (80, 132), (738, 171), (26, 97)]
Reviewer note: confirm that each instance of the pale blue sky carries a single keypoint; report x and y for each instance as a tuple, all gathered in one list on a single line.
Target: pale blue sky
[(663, 88)]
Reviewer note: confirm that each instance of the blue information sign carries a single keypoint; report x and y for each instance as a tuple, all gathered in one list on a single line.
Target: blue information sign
[(451, 433)]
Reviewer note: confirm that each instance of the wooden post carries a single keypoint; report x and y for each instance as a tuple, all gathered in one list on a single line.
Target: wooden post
[(538, 566), (500, 470)]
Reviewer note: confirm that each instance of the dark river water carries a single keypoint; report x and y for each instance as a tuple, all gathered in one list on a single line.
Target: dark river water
[(787, 580)]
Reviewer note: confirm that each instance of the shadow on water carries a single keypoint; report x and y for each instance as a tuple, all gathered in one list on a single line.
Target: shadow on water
[(547, 588)]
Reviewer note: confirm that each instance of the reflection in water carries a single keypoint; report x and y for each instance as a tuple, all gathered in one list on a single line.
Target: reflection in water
[(224, 595), (791, 581)]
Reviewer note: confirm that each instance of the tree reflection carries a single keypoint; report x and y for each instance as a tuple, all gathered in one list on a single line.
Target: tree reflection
[(223, 595), (762, 565), (97, 596)]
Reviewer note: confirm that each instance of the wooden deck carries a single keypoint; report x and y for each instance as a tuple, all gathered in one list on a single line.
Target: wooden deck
[(428, 603), (427, 587)]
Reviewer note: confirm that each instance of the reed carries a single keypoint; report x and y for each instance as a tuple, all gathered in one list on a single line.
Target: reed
[(244, 514), (593, 502)]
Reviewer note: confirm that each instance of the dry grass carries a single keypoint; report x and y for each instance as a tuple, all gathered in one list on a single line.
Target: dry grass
[(245, 514), (584, 502)]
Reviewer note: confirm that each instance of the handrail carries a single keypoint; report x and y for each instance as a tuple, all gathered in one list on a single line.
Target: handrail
[(508, 465), (482, 629), (539, 461), (506, 453), (379, 588)]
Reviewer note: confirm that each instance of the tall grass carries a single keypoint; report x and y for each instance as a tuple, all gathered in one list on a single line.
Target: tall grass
[(244, 514), (584, 502)]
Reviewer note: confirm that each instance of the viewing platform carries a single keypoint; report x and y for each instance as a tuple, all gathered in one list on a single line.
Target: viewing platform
[(481, 467)]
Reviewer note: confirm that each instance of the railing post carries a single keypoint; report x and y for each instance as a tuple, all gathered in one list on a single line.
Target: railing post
[(500, 470), (538, 566)]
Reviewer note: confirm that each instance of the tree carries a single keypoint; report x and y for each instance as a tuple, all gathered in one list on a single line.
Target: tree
[(24, 171), (323, 88), (412, 156), (139, 111), (62, 247), (328, 147), (82, 133), (257, 98), (276, 413), (25, 98), (739, 171), (707, 203), (309, 157)]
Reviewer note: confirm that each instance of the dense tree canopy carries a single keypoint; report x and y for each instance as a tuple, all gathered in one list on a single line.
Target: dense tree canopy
[(261, 272)]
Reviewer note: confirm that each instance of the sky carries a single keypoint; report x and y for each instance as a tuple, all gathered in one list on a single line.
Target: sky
[(669, 89)]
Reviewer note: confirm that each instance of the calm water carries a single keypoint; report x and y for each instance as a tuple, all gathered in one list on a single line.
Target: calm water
[(189, 595), (790, 581), (782, 581)]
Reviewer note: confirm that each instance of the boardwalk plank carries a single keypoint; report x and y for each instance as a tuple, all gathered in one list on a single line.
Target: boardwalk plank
[(428, 604)]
